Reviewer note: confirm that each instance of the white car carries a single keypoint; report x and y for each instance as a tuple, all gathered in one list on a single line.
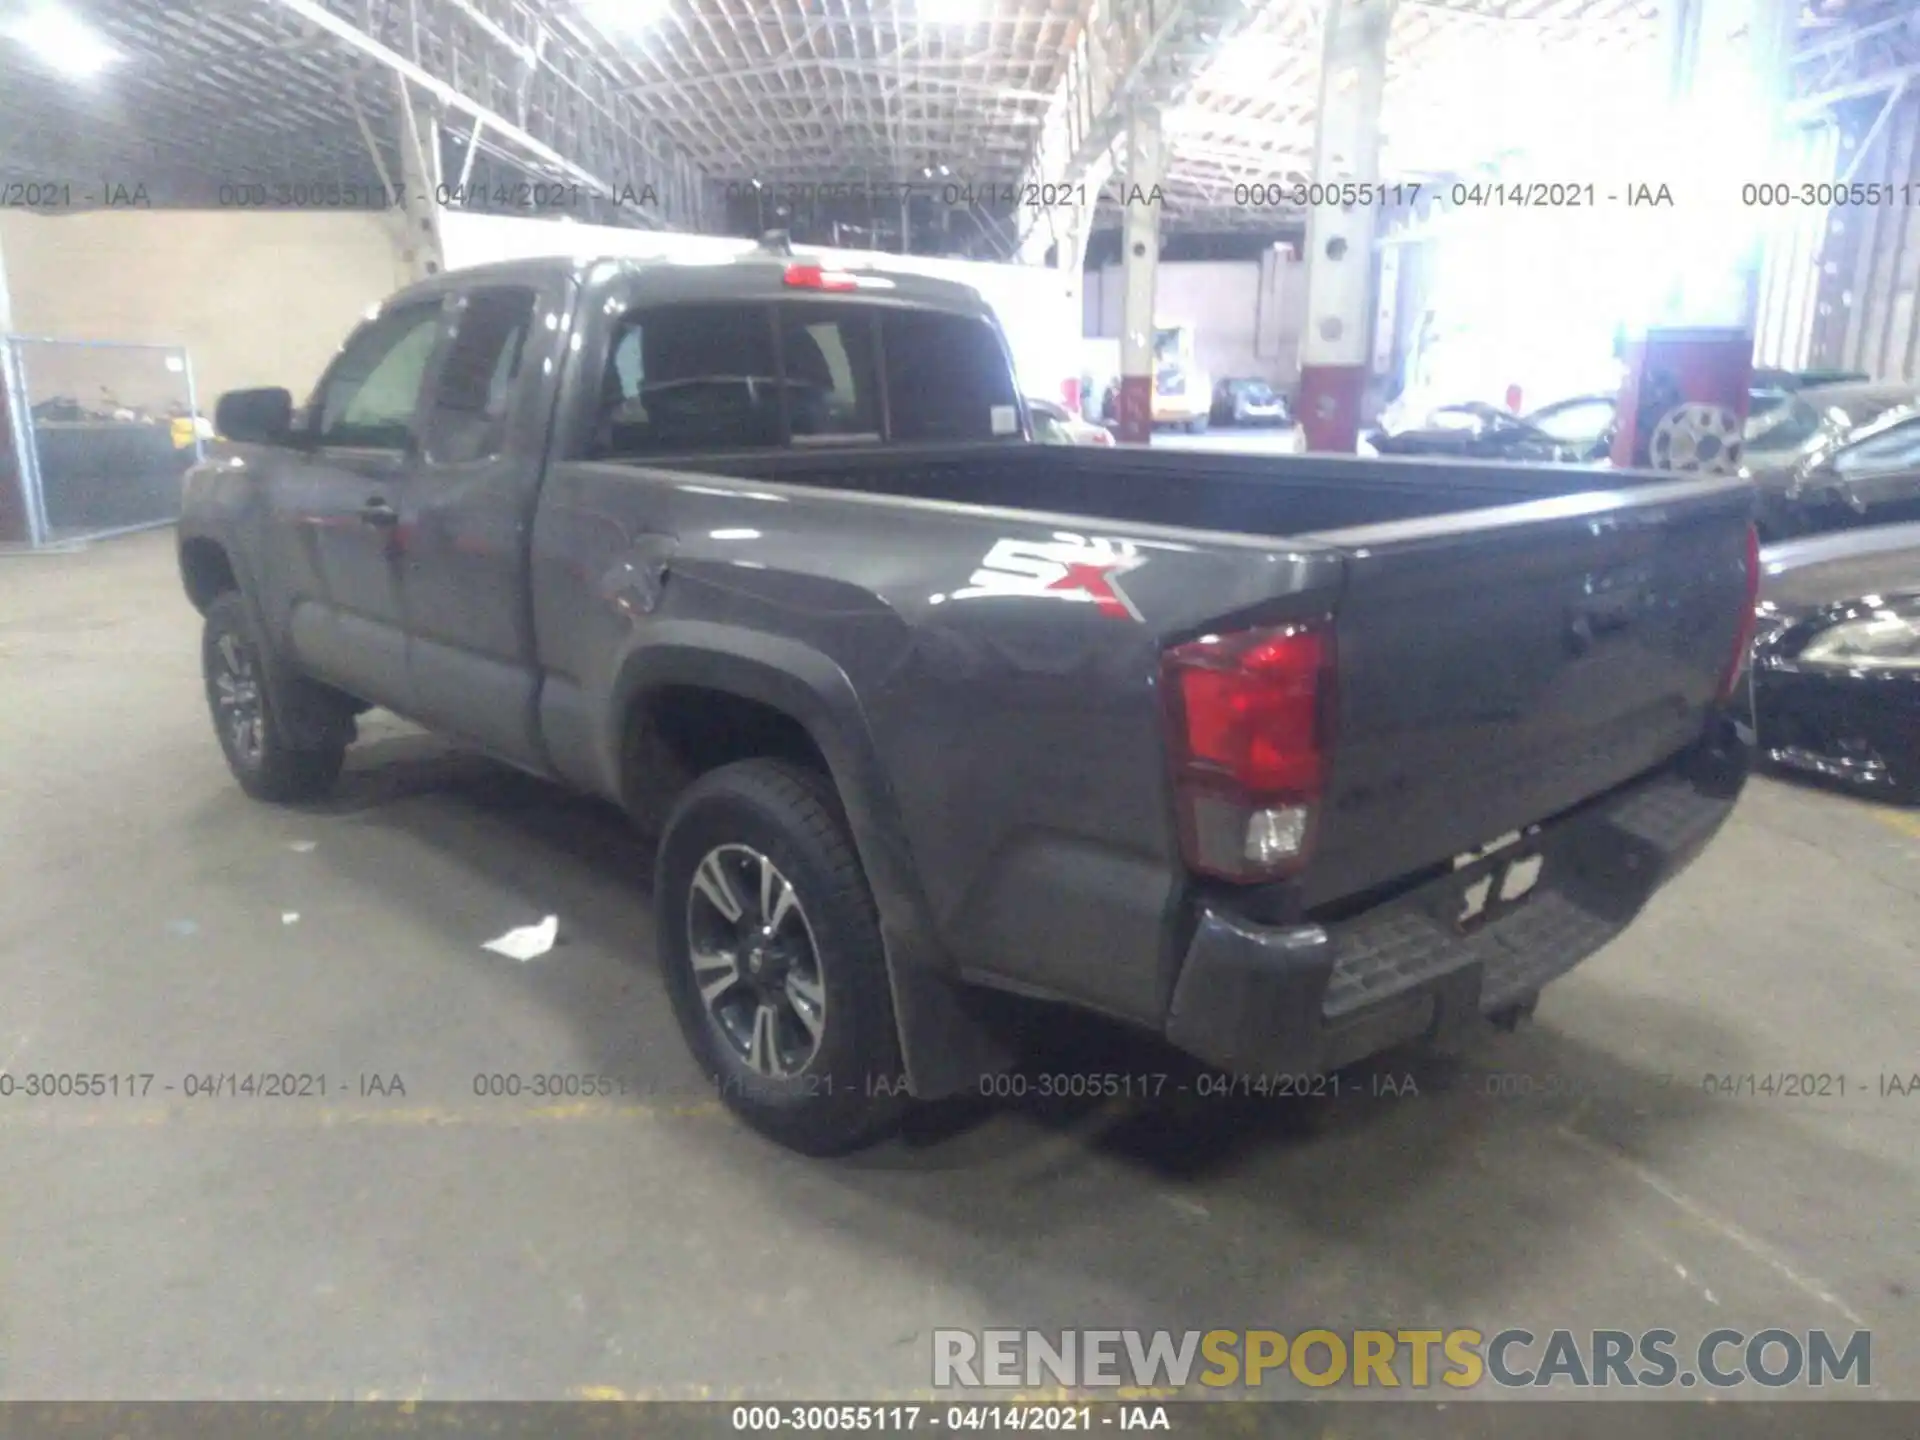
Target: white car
[(1054, 424)]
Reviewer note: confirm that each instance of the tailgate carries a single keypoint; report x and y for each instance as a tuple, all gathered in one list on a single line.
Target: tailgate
[(1500, 666)]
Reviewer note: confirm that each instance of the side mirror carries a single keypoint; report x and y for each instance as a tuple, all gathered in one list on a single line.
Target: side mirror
[(256, 417)]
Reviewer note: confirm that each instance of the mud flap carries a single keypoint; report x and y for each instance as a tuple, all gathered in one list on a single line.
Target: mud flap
[(946, 1044), (311, 716)]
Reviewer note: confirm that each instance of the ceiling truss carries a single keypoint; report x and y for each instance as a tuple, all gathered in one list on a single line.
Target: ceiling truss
[(668, 119)]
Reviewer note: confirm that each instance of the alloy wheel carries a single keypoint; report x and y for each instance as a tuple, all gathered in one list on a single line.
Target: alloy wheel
[(236, 683), (755, 965)]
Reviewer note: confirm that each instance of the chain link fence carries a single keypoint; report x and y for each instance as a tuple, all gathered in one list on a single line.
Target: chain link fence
[(94, 438)]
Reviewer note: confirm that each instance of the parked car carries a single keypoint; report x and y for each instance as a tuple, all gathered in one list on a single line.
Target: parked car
[(1248, 402), (1056, 425), (1840, 477), (1569, 432), (1284, 765), (1846, 406), (1782, 435), (1583, 425), (1770, 378), (1836, 668)]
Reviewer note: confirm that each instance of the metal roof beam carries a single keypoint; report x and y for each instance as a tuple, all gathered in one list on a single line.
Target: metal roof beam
[(892, 78), (1811, 107), (1857, 61), (569, 122), (1127, 50)]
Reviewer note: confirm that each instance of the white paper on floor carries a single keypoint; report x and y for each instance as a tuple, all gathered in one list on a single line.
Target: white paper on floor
[(529, 942)]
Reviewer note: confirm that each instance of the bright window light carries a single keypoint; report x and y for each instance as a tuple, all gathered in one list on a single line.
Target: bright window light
[(950, 12), (63, 42)]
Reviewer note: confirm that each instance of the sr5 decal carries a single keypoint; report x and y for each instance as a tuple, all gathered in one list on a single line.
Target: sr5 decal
[(1067, 567)]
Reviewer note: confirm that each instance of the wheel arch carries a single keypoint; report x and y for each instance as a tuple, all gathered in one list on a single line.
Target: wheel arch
[(206, 570), (808, 700)]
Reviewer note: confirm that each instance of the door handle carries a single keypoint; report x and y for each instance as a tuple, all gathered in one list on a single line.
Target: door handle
[(378, 513)]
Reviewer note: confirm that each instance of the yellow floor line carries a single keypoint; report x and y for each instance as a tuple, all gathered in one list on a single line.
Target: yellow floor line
[(1905, 821)]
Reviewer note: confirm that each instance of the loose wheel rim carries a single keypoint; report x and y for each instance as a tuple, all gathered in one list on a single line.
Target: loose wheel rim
[(755, 965), (237, 698)]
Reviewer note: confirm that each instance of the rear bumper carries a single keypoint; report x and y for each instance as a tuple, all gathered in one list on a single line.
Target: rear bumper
[(1312, 997)]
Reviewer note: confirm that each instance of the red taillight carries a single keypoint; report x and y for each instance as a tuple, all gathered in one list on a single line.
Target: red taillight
[(1743, 640), (1248, 716), (812, 277), (1100, 437)]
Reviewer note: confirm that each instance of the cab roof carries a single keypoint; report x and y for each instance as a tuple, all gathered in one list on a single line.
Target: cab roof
[(754, 274)]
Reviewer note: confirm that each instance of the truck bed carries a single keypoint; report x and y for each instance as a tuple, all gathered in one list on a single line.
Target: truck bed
[(1513, 641), (1269, 495)]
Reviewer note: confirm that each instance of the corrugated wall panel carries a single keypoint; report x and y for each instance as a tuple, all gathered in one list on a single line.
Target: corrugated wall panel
[(1865, 310), (1880, 300), (1790, 274)]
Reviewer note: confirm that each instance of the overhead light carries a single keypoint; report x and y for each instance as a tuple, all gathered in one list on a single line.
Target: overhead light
[(63, 42), (624, 17)]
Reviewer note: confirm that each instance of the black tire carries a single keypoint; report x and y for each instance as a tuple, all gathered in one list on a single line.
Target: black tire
[(266, 765), (847, 1091), (1197, 426)]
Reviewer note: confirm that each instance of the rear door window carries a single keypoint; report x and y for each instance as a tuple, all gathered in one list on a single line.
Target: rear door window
[(827, 367), (683, 379), (948, 378), (467, 419)]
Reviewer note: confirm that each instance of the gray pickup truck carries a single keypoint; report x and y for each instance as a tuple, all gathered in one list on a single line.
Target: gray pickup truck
[(1286, 759)]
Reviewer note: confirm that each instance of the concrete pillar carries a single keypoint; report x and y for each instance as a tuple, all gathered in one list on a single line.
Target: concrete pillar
[(1058, 240), (1334, 348), (420, 181), (1683, 404), (1139, 262), (6, 303), (1071, 260)]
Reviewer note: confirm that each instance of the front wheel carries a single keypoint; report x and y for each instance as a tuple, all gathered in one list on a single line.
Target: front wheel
[(251, 733), (773, 958)]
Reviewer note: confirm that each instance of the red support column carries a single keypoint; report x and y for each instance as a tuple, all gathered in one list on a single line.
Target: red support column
[(1139, 262), (1683, 403), (1334, 350)]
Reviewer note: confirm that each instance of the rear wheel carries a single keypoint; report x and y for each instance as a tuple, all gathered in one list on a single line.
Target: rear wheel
[(250, 730), (1197, 425), (772, 955)]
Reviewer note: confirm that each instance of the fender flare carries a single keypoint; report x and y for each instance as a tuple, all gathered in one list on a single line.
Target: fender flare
[(306, 727), (944, 1047)]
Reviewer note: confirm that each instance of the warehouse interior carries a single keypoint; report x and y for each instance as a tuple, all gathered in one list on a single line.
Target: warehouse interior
[(381, 1094)]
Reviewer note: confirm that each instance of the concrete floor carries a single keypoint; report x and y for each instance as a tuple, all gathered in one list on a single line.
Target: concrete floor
[(153, 921)]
